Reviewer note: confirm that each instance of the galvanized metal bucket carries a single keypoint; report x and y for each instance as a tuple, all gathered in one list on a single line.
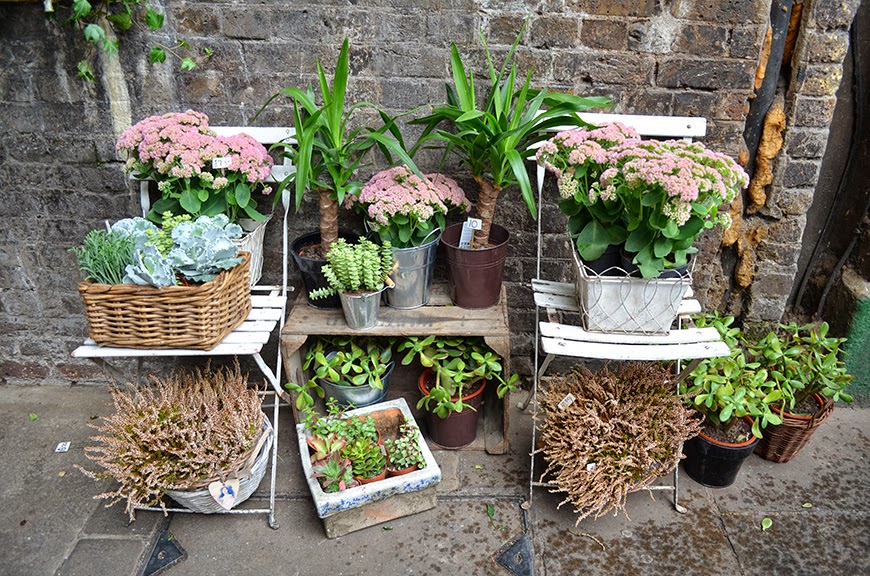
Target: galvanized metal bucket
[(358, 396), (361, 310), (413, 276)]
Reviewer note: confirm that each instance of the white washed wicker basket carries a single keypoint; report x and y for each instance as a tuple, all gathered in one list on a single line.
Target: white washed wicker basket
[(250, 476), (252, 241)]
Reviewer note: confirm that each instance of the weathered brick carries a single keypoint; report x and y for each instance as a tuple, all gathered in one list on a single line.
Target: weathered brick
[(25, 370), (560, 31), (703, 40), (766, 309), (745, 42), (694, 104), (806, 142), (704, 73), (794, 201), (602, 68), (443, 28), (777, 252), (787, 230), (831, 15), (732, 105), (737, 11), (819, 79), (604, 34), (503, 28), (810, 111), (246, 23), (641, 8), (645, 101), (826, 47), (193, 20), (800, 174)]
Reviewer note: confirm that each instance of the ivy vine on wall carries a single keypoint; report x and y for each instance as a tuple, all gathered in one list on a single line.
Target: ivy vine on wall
[(103, 21)]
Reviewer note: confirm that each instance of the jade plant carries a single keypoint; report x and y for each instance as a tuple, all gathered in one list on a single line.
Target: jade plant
[(367, 458), (355, 268), (404, 452), (726, 389), (802, 361), (348, 361), (457, 363)]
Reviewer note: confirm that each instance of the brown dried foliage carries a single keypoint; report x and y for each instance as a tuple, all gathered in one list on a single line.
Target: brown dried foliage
[(630, 424), (180, 433)]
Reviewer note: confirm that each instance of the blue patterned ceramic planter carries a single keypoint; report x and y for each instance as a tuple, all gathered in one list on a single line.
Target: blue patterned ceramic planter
[(333, 503)]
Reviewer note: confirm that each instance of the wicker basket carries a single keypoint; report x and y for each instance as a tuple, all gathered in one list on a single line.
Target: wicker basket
[(249, 470), (781, 443), (198, 317), (252, 241)]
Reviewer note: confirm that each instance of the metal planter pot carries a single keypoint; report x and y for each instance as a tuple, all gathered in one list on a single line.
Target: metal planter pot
[(361, 310), (413, 276), (359, 396)]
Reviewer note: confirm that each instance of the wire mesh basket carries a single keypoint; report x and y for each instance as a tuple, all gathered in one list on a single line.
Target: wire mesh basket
[(617, 301)]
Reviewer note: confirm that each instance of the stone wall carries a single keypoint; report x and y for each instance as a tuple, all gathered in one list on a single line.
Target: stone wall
[(60, 177)]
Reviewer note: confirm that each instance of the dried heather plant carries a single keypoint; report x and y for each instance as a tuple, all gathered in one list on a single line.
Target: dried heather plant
[(181, 432), (623, 430)]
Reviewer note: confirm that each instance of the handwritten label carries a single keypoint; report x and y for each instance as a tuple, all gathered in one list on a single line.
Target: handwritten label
[(62, 447), (468, 232), (221, 162), (566, 401)]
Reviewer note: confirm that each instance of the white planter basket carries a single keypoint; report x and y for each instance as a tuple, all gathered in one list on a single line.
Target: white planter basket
[(626, 304), (252, 241), (201, 500)]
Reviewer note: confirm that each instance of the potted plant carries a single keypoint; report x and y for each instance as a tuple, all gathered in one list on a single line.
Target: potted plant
[(358, 273), (456, 371), (368, 461), (200, 173), (804, 366), (352, 370), (493, 141), (326, 155), (655, 197), (150, 287), (403, 453), (409, 212), (187, 435), (734, 396)]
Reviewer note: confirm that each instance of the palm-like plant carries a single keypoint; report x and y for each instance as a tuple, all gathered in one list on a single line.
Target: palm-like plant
[(328, 150), (495, 140)]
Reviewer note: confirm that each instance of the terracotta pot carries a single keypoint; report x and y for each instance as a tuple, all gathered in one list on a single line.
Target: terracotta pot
[(713, 463), (402, 472), (459, 429), (380, 476)]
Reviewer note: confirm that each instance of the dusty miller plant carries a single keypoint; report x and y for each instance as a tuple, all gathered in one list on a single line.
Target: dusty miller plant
[(623, 429), (175, 434)]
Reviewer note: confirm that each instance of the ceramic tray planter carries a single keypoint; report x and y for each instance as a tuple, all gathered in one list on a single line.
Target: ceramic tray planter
[(341, 503)]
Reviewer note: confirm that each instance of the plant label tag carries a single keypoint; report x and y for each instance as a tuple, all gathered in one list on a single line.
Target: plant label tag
[(466, 235), (62, 447), (474, 223), (221, 162), (566, 401), (225, 493), (591, 466)]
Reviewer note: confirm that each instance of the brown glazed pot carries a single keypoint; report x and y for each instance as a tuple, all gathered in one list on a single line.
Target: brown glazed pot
[(459, 429), (474, 276)]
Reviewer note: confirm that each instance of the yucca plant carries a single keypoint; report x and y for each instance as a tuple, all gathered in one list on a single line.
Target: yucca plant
[(494, 141), (328, 150)]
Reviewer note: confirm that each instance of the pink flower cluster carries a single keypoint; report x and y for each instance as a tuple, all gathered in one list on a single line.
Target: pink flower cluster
[(181, 145), (398, 191)]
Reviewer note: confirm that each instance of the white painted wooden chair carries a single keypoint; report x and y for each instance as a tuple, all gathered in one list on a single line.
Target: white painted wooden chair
[(268, 302), (559, 339)]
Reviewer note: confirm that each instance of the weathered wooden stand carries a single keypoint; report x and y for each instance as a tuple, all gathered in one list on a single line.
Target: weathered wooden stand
[(439, 317)]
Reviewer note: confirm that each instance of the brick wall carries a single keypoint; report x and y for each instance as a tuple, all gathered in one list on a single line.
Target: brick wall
[(60, 177)]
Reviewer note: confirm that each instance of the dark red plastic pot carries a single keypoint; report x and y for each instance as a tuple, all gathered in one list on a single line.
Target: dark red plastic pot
[(459, 428), (474, 276)]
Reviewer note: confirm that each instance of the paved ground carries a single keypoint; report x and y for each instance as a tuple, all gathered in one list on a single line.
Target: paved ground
[(50, 524)]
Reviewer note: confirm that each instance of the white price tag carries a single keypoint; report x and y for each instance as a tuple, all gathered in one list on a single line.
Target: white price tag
[(221, 162), (474, 223), (62, 447), (591, 466), (465, 236), (566, 401)]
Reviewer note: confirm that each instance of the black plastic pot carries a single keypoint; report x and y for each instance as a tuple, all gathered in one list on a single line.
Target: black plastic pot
[(310, 269), (459, 429), (608, 264), (474, 276), (632, 269), (715, 464)]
